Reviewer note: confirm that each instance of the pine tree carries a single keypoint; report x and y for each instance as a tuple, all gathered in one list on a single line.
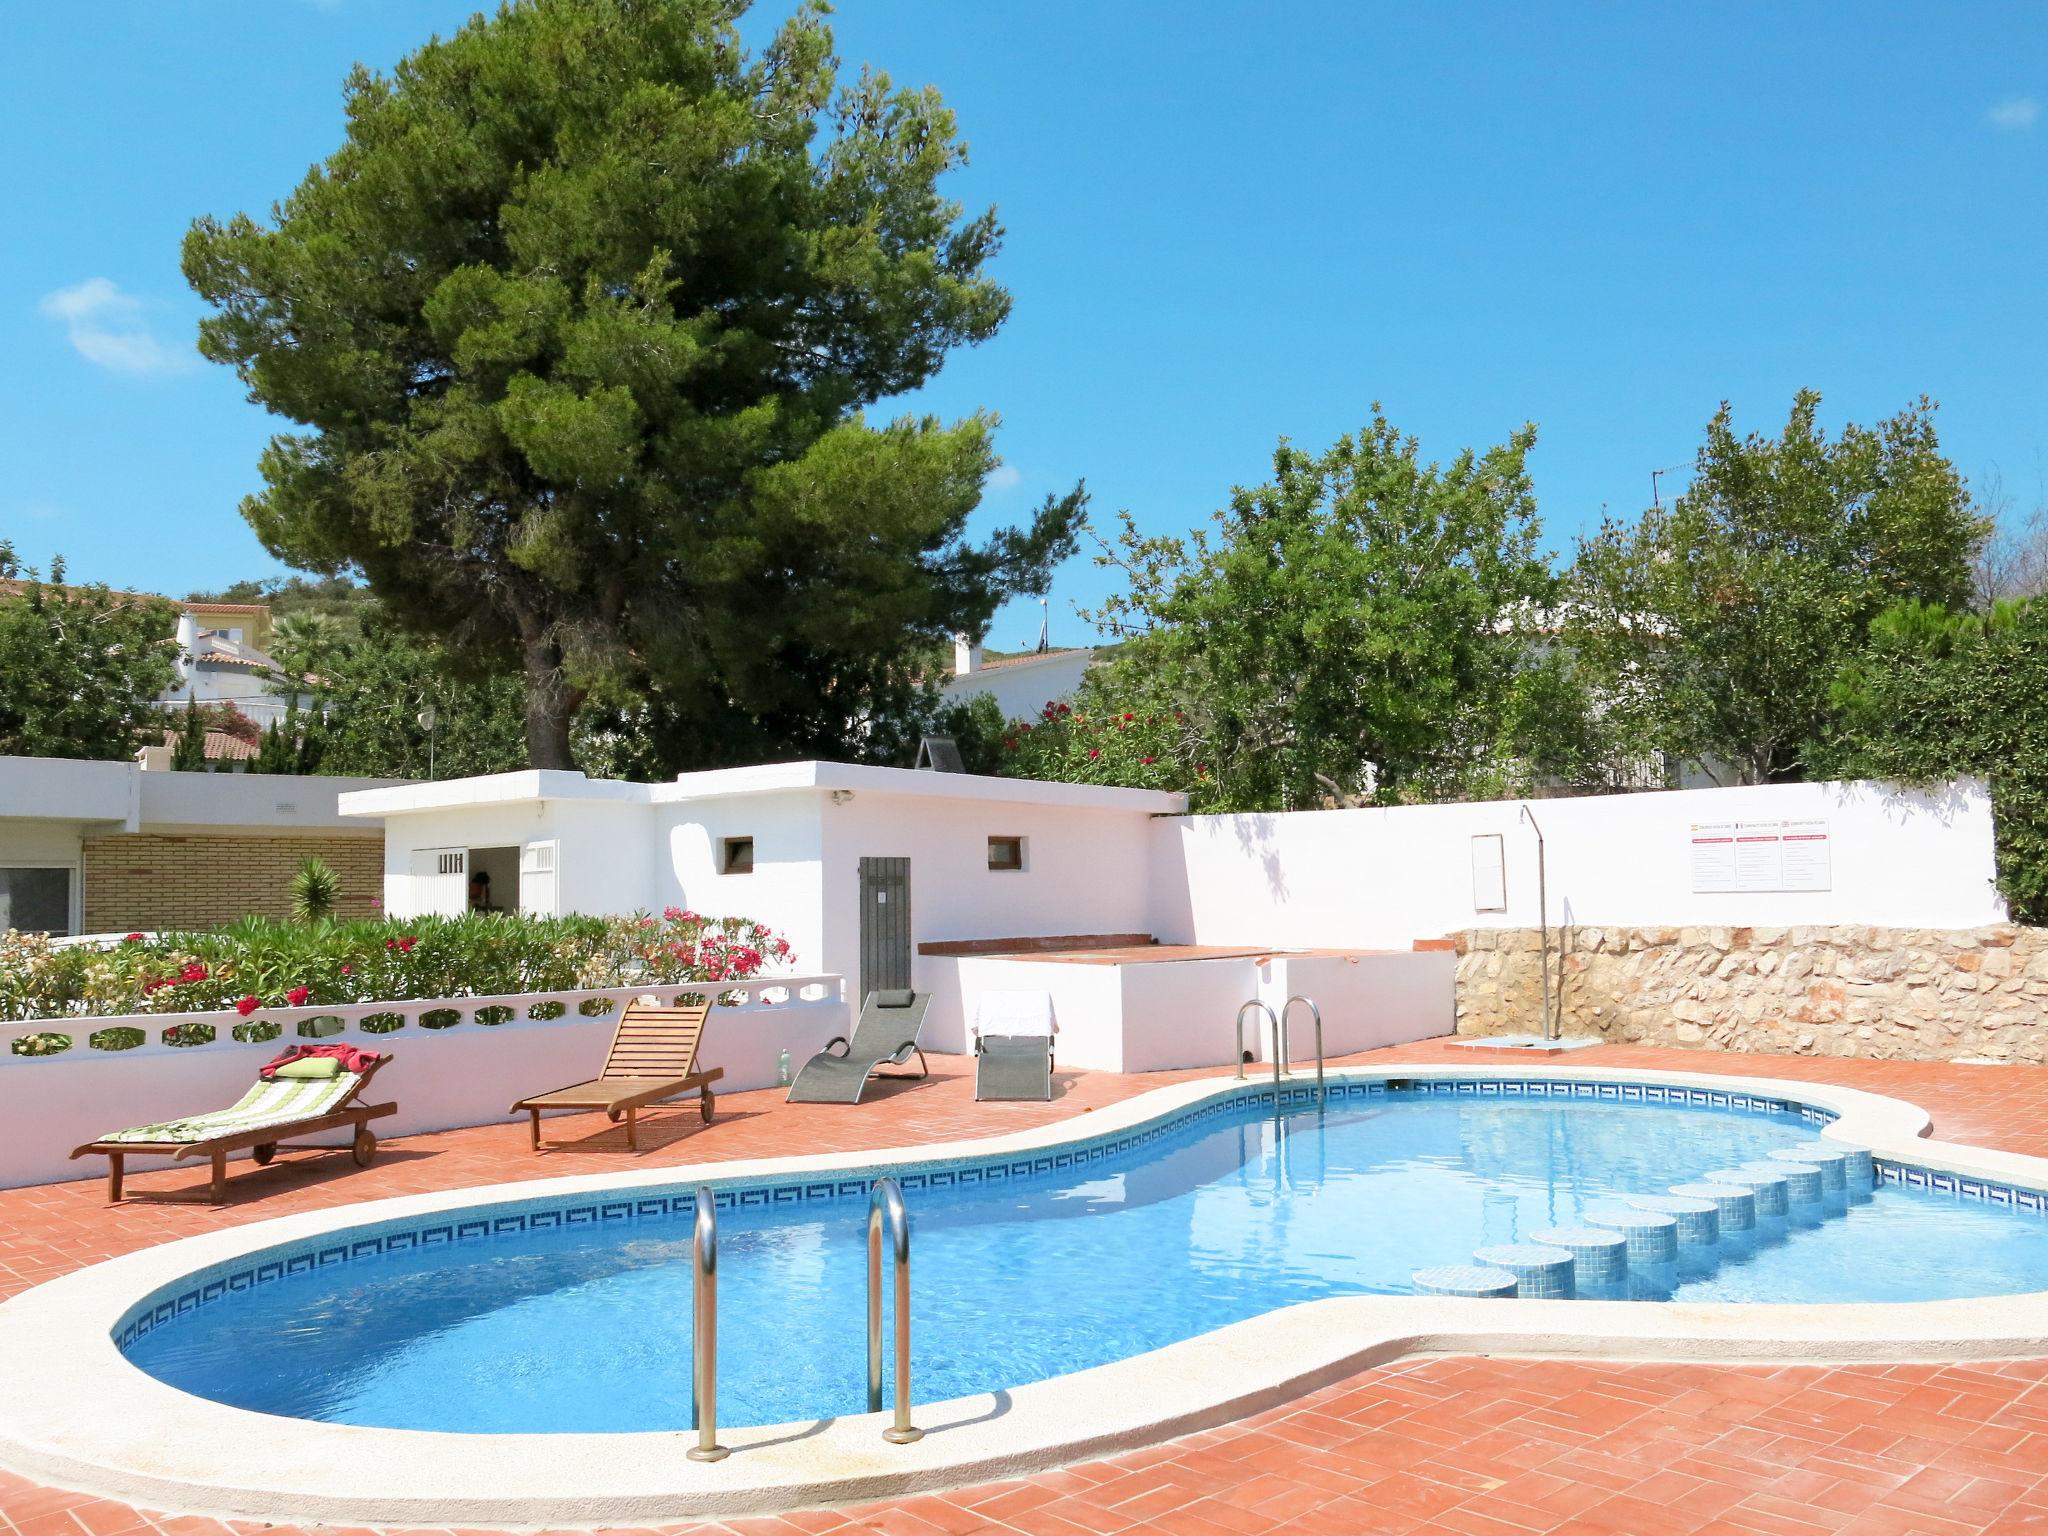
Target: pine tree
[(188, 751)]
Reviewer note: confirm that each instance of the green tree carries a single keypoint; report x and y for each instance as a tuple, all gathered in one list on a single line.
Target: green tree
[(1716, 627), (368, 702), (80, 668), (1348, 630), (188, 747), (580, 322), (1937, 694), (293, 743)]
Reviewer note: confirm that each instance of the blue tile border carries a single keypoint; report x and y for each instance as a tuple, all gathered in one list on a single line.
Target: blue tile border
[(268, 1265)]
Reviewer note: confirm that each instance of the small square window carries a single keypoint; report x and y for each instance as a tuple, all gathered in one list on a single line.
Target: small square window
[(1006, 853), (739, 856)]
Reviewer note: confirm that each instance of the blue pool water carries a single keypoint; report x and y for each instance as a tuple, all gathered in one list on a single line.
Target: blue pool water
[(588, 1329)]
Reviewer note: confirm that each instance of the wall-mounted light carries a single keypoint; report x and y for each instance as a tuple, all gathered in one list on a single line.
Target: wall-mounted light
[(841, 796)]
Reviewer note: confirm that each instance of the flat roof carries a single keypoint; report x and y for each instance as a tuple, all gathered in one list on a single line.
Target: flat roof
[(768, 778)]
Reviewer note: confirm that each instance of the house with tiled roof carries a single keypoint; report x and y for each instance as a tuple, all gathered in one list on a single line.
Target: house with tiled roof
[(1021, 684), (223, 667)]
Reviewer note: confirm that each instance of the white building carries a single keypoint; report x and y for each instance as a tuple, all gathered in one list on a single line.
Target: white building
[(100, 847), (1020, 685)]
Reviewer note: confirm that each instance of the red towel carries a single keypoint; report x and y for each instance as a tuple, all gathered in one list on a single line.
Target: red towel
[(353, 1058)]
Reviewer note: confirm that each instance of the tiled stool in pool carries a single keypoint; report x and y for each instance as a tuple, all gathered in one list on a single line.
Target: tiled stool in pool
[(1652, 1235), (1538, 1270), (1803, 1182), (1599, 1256), (1473, 1280), (1699, 1221), (1833, 1165), (1859, 1169), (1769, 1186), (1735, 1204)]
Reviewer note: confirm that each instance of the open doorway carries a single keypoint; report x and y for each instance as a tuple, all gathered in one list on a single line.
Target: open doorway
[(493, 880)]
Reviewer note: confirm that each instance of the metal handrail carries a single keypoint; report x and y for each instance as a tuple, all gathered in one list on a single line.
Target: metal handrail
[(704, 1340), (1316, 1015), (1542, 919), (885, 1206), (1279, 1039)]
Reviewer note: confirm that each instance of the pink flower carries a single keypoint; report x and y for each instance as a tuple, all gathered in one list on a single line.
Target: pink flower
[(298, 995), (247, 1005), (376, 903), (673, 914), (348, 970)]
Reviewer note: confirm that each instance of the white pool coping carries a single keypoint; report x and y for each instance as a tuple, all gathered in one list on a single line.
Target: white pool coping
[(75, 1413)]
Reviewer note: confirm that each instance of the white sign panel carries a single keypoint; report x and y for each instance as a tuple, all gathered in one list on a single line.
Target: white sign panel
[(1489, 873), (1761, 856)]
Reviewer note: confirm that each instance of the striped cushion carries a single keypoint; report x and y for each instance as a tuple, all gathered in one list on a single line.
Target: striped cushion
[(264, 1104)]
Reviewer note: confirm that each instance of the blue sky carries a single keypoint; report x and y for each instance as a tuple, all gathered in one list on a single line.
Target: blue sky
[(1227, 222)]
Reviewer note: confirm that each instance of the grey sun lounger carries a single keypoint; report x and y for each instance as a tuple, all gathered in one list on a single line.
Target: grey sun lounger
[(885, 1033), (1013, 1046)]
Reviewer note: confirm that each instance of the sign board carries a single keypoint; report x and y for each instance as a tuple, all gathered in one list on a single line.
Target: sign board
[(1489, 873), (1761, 856)]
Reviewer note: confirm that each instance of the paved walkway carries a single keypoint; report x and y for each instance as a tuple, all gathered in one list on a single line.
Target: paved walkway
[(1480, 1447)]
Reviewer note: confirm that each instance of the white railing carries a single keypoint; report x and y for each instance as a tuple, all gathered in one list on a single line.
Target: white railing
[(450, 1066), (267, 1029)]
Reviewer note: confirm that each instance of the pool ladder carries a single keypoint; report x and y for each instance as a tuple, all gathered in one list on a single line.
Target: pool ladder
[(1281, 1061), (885, 1210)]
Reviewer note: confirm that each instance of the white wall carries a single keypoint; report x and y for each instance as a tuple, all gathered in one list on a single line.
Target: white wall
[(439, 1079), (786, 887), (1159, 1016), (1023, 688), (1084, 873), (287, 802), (1381, 878)]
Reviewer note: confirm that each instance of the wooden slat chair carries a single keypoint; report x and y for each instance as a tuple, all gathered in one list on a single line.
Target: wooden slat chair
[(653, 1058)]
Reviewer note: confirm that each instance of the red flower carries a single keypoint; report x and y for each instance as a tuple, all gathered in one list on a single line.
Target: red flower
[(391, 943), (298, 995), (1010, 745), (1130, 717), (1066, 709), (348, 970), (1148, 761), (1023, 729), (673, 914), (247, 1006), (1094, 752), (405, 944), (133, 938), (193, 972)]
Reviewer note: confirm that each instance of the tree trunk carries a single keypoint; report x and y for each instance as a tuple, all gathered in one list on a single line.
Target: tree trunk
[(551, 703)]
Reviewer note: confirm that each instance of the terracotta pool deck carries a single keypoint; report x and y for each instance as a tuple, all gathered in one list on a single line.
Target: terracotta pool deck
[(1473, 1446)]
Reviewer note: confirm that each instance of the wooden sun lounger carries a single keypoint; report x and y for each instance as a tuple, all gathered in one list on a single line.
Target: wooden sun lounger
[(262, 1142), (653, 1058)]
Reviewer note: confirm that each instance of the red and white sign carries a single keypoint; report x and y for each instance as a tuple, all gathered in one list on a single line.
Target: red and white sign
[(1761, 856)]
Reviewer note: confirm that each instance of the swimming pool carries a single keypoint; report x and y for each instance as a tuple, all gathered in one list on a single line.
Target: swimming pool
[(1217, 1215)]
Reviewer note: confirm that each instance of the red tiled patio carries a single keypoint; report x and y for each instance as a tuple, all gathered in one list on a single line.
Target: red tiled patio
[(1478, 1446)]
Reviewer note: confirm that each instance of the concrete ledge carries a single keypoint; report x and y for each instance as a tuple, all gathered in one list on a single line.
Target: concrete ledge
[(74, 1412)]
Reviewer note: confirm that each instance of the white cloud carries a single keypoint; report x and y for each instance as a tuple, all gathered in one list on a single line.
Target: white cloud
[(107, 327), (1005, 478), (2015, 115)]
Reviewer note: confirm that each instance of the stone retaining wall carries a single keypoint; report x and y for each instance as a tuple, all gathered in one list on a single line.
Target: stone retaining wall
[(1908, 993)]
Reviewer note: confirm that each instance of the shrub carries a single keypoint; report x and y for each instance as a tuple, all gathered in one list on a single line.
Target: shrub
[(315, 889)]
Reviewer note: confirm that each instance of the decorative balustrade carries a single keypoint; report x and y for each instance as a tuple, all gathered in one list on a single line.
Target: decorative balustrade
[(145, 1034)]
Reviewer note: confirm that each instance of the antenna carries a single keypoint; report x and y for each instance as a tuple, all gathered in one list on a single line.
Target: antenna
[(1044, 626), (1655, 475)]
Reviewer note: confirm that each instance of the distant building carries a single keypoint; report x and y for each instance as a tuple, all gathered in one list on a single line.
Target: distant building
[(1021, 685), (94, 847)]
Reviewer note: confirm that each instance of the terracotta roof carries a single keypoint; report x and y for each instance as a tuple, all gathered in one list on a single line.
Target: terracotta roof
[(226, 607), (220, 746)]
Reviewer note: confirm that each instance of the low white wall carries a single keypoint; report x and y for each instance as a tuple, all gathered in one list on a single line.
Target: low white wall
[(1163, 1016), (1367, 1001), (1382, 877), (439, 1078)]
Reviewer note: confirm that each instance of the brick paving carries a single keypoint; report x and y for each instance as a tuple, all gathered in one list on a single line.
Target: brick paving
[(1471, 1446)]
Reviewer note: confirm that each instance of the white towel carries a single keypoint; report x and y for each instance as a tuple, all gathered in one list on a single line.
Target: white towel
[(1014, 1013)]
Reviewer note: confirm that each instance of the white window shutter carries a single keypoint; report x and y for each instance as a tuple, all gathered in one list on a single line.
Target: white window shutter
[(440, 882), (537, 884)]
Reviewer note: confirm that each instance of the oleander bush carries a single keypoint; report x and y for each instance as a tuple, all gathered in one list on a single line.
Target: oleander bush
[(261, 963)]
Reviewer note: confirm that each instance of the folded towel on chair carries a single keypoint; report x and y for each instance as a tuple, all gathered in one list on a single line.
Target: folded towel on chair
[(1014, 1013)]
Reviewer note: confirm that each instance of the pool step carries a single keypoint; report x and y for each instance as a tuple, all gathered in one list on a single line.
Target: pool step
[(1538, 1268), (1473, 1280), (1599, 1255)]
